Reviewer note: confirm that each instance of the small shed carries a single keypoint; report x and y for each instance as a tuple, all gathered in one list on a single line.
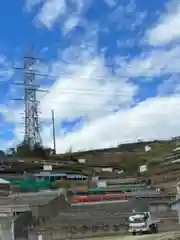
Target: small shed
[(4, 187), (3, 181)]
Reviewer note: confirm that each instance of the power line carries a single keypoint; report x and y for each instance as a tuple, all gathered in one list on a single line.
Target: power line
[(69, 73), (89, 92)]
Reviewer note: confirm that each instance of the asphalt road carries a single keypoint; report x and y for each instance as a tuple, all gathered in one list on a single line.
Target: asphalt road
[(159, 236)]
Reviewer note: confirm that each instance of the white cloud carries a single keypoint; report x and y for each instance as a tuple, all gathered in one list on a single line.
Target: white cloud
[(6, 70), (50, 11), (167, 29), (126, 16), (67, 13), (149, 64), (6, 144), (88, 90), (85, 86), (12, 114), (169, 86), (70, 23), (155, 118), (105, 129), (30, 4), (111, 3)]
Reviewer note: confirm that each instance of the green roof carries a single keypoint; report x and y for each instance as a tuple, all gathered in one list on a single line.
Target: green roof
[(116, 188), (31, 184)]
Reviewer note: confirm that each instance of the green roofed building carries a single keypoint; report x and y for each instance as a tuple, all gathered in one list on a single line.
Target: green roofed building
[(118, 188), (31, 185)]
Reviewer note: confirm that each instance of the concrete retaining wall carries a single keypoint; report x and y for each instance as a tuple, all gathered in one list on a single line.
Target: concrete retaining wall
[(6, 228), (64, 234), (21, 225), (51, 209)]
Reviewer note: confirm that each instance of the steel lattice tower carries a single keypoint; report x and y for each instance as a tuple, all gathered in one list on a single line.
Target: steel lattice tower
[(32, 130), (32, 135)]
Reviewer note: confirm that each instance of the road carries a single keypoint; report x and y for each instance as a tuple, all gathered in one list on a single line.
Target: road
[(159, 236)]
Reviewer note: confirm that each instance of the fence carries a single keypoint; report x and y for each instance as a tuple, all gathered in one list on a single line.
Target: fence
[(95, 230), (96, 220)]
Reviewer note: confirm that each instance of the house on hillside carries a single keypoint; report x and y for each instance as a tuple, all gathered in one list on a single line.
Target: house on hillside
[(101, 159), (173, 157)]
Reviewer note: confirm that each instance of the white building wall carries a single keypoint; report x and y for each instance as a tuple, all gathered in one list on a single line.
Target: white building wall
[(176, 207), (7, 230)]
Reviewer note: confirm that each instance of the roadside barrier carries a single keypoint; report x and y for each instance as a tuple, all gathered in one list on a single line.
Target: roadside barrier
[(106, 227), (83, 229), (98, 198), (116, 227), (73, 230), (95, 228)]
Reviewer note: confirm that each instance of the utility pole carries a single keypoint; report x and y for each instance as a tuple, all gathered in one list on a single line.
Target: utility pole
[(54, 131)]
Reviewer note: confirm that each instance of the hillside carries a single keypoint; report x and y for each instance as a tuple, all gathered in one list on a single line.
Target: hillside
[(125, 156), (128, 154)]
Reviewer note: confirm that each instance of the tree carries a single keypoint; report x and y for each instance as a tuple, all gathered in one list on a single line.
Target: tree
[(11, 152), (2, 154), (39, 151), (130, 162), (23, 150)]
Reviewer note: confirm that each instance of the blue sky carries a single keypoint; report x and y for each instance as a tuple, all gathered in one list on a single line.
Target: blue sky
[(113, 70)]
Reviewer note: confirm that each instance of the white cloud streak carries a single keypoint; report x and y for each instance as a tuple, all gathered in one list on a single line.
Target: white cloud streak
[(167, 28), (153, 63), (30, 4), (51, 10), (156, 118)]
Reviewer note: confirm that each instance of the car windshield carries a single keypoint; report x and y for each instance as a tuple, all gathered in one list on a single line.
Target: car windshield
[(137, 218)]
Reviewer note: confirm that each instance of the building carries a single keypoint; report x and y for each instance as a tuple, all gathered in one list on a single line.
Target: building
[(173, 157), (5, 187), (175, 206), (54, 176)]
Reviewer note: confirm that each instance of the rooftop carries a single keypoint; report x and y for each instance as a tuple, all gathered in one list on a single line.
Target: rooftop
[(3, 181)]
